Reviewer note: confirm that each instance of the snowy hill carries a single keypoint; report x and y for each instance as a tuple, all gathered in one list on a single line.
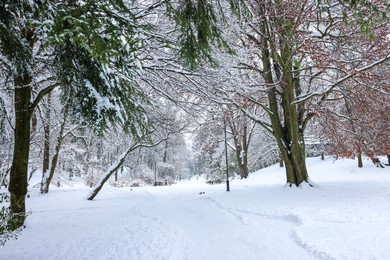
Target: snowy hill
[(346, 217)]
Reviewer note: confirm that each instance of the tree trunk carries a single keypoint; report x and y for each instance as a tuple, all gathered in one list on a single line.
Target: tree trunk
[(356, 139), (54, 161), (165, 156), (46, 147), (360, 159), (290, 136), (241, 143), (289, 132), (113, 168), (242, 162), (245, 147), (20, 53), (281, 162), (294, 157), (18, 175)]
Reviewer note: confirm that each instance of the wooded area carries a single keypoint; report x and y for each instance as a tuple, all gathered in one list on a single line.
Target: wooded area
[(146, 91)]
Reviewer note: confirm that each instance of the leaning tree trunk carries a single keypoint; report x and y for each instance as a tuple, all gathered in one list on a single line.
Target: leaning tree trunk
[(111, 170), (18, 175), (115, 166)]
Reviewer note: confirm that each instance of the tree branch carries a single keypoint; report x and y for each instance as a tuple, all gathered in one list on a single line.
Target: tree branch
[(325, 94), (118, 163), (41, 95)]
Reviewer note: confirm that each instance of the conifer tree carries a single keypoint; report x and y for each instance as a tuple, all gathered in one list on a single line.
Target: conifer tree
[(90, 48)]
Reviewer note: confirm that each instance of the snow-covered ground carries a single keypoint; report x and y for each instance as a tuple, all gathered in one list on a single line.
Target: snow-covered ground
[(346, 217)]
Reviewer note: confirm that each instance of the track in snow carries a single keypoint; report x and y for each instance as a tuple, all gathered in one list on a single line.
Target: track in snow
[(154, 224), (212, 231)]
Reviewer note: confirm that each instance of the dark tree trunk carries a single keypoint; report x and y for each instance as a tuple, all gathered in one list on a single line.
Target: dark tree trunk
[(18, 175), (360, 159), (21, 54), (245, 146), (292, 149)]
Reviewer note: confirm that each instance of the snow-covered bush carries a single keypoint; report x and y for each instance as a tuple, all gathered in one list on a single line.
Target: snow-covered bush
[(6, 230)]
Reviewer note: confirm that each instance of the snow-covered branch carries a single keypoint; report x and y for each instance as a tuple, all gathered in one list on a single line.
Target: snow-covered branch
[(118, 163), (330, 88)]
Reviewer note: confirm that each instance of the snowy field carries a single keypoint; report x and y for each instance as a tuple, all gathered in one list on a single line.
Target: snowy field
[(346, 217)]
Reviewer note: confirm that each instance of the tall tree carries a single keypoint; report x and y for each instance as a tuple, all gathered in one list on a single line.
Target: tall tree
[(90, 47), (303, 51)]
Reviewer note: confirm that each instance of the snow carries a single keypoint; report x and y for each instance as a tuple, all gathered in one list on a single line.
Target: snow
[(345, 217), (102, 102)]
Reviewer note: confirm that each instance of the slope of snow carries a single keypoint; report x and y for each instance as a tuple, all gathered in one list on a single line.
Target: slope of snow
[(346, 217)]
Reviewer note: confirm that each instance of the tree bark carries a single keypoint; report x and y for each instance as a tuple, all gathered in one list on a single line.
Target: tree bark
[(20, 53), (360, 159), (289, 132), (281, 162), (18, 175)]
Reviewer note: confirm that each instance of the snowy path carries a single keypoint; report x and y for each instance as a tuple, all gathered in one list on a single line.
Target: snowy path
[(346, 218), (212, 231), (152, 223)]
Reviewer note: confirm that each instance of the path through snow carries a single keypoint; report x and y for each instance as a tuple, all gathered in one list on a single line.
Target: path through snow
[(347, 217)]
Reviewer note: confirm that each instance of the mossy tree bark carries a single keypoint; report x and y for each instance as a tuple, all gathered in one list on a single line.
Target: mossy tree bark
[(287, 118)]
